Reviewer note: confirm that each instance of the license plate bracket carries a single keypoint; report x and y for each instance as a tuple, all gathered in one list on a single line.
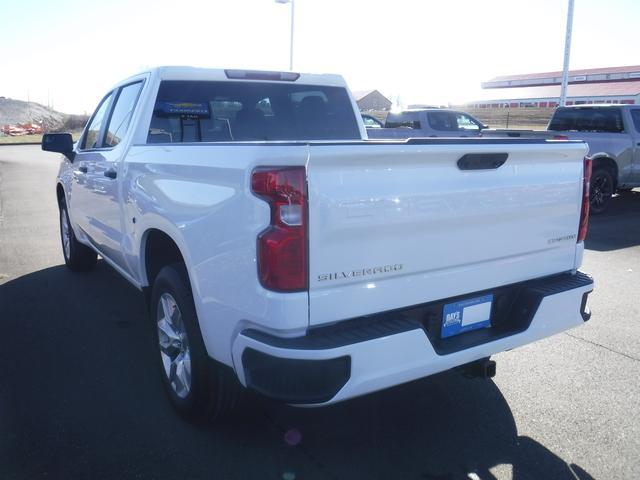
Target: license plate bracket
[(466, 315)]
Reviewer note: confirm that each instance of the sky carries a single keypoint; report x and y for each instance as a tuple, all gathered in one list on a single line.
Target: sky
[(68, 53)]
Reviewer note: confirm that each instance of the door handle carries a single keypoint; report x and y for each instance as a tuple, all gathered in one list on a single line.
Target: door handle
[(83, 169), (111, 173)]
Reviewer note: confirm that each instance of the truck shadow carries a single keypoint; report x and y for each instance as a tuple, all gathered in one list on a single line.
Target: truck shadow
[(618, 227), (82, 398), (444, 427)]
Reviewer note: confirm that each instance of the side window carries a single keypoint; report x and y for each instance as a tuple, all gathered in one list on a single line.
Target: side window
[(91, 137), (122, 112), (370, 121), (608, 121), (635, 115), (443, 121), (403, 120), (466, 123)]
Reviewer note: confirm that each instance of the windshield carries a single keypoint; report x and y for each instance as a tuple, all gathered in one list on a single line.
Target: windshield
[(192, 111)]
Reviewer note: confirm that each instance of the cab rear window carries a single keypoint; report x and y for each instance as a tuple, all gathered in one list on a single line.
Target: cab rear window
[(587, 120), (201, 111)]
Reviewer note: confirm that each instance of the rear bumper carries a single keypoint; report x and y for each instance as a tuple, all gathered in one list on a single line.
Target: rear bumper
[(359, 356)]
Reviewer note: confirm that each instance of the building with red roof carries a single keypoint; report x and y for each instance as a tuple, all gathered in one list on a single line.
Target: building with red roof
[(594, 85)]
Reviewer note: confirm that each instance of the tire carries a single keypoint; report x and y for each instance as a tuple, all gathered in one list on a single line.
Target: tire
[(199, 388), (78, 257), (600, 190)]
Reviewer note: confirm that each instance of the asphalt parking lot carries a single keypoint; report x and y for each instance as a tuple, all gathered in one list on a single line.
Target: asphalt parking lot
[(81, 397)]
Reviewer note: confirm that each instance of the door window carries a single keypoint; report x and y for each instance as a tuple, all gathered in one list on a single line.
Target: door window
[(443, 121), (92, 135), (465, 123), (635, 115), (370, 121), (122, 112)]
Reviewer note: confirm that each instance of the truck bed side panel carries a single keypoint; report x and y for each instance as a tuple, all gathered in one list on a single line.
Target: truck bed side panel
[(200, 196)]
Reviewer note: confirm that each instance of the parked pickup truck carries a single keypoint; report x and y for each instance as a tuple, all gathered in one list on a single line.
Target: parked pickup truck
[(427, 122), (613, 135), (281, 251)]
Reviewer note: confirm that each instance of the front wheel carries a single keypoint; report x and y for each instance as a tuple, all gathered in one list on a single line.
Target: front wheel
[(600, 190), (77, 257), (198, 387)]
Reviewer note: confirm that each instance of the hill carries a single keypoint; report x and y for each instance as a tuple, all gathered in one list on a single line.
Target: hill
[(18, 111)]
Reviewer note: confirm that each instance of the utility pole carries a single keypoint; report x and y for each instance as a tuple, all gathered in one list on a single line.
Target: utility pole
[(567, 52), (292, 2), (29, 105)]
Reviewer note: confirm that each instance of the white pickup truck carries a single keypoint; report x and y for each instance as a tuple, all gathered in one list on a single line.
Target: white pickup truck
[(280, 250)]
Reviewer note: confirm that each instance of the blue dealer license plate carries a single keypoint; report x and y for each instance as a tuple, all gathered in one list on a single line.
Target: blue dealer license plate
[(466, 315)]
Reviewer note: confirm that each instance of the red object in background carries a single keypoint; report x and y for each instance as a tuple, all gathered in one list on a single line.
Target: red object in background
[(22, 129)]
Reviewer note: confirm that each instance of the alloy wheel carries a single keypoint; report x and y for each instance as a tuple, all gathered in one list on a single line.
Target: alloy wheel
[(66, 232), (174, 345)]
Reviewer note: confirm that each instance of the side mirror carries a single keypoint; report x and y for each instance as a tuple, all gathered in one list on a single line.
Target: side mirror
[(59, 142)]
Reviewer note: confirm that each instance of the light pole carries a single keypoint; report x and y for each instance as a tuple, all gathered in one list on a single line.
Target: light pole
[(292, 2), (567, 52)]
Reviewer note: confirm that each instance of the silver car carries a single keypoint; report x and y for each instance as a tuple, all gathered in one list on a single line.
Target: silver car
[(428, 122)]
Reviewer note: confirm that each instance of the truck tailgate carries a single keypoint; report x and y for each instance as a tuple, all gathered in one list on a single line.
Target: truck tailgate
[(394, 225)]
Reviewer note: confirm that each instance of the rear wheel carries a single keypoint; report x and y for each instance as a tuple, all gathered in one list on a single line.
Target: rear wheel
[(77, 257), (600, 190), (198, 387)]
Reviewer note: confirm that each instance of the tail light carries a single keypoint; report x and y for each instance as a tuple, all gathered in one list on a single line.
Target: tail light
[(560, 137), (282, 247), (584, 213)]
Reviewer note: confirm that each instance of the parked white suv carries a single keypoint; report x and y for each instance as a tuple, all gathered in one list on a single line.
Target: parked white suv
[(281, 251)]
